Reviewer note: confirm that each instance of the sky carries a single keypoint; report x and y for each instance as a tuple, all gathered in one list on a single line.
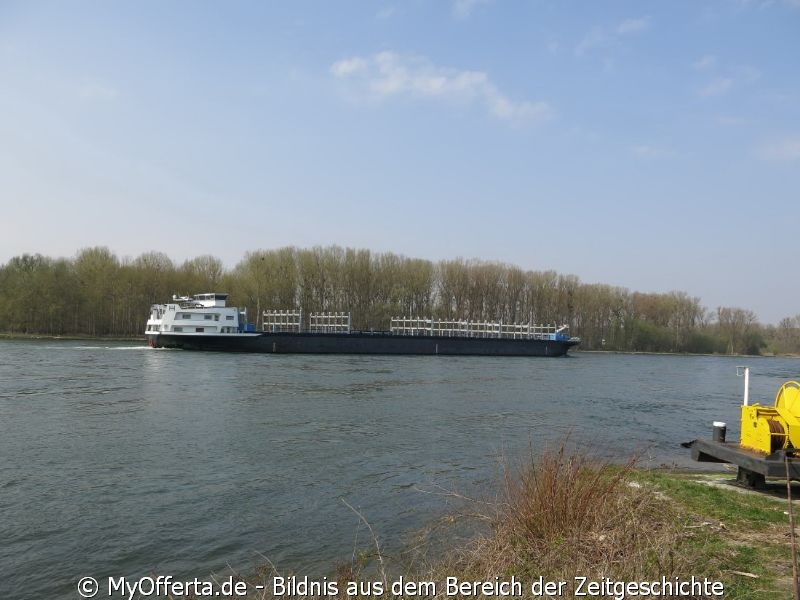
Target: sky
[(649, 145)]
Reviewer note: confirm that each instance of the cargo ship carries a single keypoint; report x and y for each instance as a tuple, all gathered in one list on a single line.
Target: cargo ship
[(205, 322)]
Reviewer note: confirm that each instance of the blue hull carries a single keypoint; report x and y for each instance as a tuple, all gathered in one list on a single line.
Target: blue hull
[(362, 343)]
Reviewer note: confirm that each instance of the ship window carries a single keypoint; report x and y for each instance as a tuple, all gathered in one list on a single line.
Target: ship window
[(177, 328), (199, 329), (229, 317), (186, 316), (216, 317), (207, 317)]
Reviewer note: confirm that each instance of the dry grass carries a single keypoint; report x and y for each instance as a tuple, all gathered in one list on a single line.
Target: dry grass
[(564, 515)]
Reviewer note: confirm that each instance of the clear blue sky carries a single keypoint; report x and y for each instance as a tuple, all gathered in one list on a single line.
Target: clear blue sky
[(651, 145)]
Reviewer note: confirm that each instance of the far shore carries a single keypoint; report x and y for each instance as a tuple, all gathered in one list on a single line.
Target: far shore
[(71, 337)]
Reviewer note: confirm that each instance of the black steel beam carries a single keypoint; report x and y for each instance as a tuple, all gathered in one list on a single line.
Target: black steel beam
[(772, 465)]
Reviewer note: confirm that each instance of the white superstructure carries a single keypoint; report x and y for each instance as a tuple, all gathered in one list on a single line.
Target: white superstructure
[(202, 314)]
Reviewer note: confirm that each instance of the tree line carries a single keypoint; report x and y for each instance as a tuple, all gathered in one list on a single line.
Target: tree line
[(98, 294)]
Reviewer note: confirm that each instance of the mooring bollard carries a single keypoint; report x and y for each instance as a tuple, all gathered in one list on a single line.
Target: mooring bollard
[(720, 429)]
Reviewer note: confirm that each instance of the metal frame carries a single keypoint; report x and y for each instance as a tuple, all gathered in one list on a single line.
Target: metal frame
[(753, 466), (478, 329)]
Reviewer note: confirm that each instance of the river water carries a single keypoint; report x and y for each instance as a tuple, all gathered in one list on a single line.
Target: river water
[(121, 460)]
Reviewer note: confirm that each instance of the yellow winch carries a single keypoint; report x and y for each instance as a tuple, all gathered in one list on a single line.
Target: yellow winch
[(770, 442), (768, 429)]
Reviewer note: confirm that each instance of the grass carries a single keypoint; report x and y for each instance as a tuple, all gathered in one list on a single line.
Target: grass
[(715, 501), (562, 515), (735, 532)]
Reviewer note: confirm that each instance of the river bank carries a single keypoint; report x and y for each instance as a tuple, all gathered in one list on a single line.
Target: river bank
[(69, 337), (565, 526)]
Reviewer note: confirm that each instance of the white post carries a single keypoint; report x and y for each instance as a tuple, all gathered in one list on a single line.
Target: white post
[(746, 372), (746, 385)]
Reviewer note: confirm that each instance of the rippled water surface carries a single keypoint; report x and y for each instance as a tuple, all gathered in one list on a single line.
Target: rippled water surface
[(117, 459)]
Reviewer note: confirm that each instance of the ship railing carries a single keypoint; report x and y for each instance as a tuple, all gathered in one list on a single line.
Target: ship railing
[(329, 322), (283, 321), (417, 326), (191, 304), (292, 321)]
